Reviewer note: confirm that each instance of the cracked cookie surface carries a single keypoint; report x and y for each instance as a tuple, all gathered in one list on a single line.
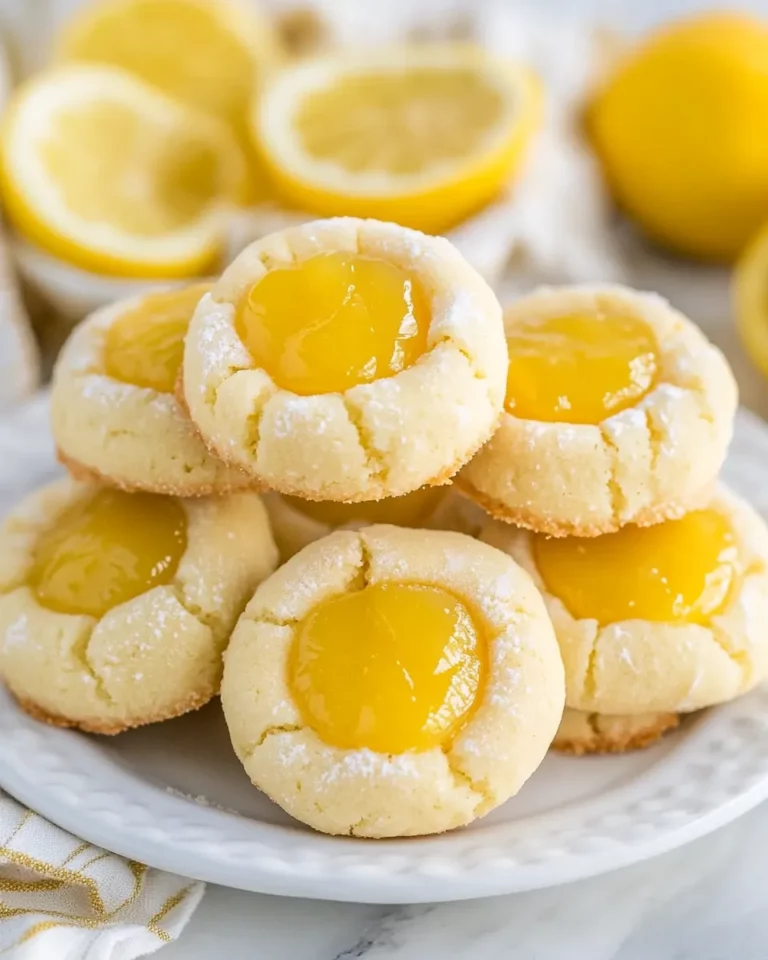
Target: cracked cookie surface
[(154, 654), (713, 651), (119, 421), (359, 791), (654, 455), (412, 425)]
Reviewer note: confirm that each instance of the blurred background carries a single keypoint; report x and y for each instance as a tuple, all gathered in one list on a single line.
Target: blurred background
[(146, 141)]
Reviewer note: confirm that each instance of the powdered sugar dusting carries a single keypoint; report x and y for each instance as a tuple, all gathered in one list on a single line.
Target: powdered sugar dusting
[(219, 346), (105, 391), (365, 763), (17, 632), (295, 410)]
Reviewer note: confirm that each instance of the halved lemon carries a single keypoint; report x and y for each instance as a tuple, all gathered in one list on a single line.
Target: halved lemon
[(208, 53), (750, 291), (109, 174), (422, 136)]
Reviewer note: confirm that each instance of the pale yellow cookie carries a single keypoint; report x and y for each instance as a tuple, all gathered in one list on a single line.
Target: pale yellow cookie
[(113, 410), (390, 682), (347, 360), (618, 410), (297, 522), (583, 733), (115, 607), (662, 619)]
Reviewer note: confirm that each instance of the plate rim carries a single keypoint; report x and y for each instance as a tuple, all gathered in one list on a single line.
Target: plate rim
[(716, 772)]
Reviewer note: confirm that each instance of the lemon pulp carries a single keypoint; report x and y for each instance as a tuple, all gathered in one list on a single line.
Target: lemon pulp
[(106, 550), (401, 123), (108, 169), (334, 321), (392, 667), (579, 368), (406, 511), (677, 571), (145, 346)]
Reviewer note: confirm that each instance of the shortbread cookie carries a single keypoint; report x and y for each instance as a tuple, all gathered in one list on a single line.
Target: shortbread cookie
[(347, 360), (297, 522), (582, 733), (618, 410), (113, 408), (390, 682), (115, 607), (662, 619)]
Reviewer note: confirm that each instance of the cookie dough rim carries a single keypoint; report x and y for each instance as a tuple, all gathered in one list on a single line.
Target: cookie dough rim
[(752, 545), (461, 330), (707, 383), (80, 366), (515, 611)]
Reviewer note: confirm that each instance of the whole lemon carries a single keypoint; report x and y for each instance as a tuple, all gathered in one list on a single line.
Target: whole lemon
[(681, 128)]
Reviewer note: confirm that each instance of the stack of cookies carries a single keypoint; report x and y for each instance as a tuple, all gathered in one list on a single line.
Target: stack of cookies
[(602, 479), (398, 674)]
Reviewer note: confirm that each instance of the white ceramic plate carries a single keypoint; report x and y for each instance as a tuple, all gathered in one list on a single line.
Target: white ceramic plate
[(175, 797)]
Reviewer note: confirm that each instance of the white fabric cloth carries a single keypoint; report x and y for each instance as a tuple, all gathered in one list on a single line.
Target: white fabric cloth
[(62, 899)]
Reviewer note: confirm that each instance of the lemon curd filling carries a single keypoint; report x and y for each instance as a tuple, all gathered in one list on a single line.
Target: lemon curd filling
[(677, 571), (406, 511), (106, 550), (392, 667), (579, 368), (145, 346), (334, 321)]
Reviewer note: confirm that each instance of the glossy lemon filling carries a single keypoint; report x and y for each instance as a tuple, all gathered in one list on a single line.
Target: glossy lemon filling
[(406, 511), (579, 368), (106, 550), (334, 321), (677, 571), (145, 346), (392, 667)]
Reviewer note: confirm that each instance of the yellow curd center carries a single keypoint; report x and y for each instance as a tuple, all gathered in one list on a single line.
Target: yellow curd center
[(145, 346), (393, 667), (406, 511), (107, 550), (334, 321), (579, 368), (677, 571)]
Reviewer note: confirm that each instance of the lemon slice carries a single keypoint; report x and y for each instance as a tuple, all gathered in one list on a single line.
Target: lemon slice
[(422, 136), (109, 174), (750, 287), (208, 53)]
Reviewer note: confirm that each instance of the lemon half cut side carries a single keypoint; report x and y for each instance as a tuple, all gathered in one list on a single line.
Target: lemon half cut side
[(422, 136), (109, 174)]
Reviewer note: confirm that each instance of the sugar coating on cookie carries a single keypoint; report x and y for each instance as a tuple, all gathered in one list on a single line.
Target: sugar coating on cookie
[(662, 619), (347, 360), (618, 410), (113, 409), (582, 733), (115, 607), (297, 522), (392, 682)]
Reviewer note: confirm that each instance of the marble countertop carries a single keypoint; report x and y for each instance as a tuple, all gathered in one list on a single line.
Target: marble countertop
[(706, 901)]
